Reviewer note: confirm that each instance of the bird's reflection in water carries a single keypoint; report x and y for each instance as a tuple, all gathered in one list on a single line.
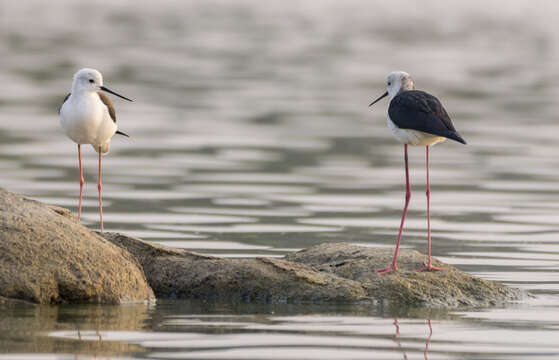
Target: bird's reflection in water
[(396, 338), (97, 333), (425, 353)]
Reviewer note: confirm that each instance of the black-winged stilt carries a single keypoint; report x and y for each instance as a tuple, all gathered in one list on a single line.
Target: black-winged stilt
[(415, 118), (88, 117)]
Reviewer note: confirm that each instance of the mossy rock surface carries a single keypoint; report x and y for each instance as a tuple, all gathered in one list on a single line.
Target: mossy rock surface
[(330, 272), (450, 287), (48, 257)]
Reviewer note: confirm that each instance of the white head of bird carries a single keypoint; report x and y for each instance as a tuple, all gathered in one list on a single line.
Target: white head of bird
[(90, 80), (396, 82), (87, 80)]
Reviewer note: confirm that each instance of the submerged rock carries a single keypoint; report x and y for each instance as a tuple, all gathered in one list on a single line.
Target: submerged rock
[(6, 302), (330, 272), (46, 256)]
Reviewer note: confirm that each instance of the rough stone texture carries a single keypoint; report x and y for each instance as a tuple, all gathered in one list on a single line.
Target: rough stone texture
[(46, 256), (450, 287), (175, 273), (331, 272)]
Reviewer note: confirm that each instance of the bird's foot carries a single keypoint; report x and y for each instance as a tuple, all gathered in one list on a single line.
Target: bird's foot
[(429, 267), (386, 270)]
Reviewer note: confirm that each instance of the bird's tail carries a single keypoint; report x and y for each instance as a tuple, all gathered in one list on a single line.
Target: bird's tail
[(121, 133), (456, 137)]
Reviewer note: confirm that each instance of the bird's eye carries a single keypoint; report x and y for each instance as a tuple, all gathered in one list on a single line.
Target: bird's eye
[(91, 81), (389, 83)]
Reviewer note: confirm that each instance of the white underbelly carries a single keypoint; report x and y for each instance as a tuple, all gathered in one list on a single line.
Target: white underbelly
[(88, 124), (413, 137)]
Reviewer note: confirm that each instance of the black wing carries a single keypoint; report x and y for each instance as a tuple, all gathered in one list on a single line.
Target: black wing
[(418, 110), (66, 98)]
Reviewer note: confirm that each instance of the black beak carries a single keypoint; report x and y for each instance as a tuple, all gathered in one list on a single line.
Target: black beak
[(112, 92), (383, 95)]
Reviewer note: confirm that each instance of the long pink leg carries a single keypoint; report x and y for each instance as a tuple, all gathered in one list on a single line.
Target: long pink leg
[(408, 197), (100, 187), (82, 181), (428, 266)]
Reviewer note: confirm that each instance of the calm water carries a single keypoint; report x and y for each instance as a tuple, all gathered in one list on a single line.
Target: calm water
[(251, 135)]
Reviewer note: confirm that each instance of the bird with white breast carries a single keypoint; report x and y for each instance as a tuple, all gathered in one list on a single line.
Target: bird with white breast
[(88, 116), (415, 118)]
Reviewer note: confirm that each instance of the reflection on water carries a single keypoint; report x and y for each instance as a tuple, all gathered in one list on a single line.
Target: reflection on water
[(251, 135), (193, 330)]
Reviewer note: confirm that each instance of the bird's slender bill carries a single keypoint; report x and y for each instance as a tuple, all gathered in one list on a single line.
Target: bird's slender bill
[(112, 92), (382, 96)]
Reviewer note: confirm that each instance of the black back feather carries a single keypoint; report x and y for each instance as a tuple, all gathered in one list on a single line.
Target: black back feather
[(418, 110)]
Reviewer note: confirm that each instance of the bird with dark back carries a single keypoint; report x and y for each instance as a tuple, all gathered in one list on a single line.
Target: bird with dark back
[(419, 119)]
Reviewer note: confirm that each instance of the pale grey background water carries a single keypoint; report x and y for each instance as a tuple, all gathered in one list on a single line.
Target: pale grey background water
[(251, 135)]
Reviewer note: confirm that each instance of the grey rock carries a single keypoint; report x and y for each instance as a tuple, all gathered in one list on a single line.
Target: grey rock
[(330, 272), (451, 287), (176, 273), (47, 256)]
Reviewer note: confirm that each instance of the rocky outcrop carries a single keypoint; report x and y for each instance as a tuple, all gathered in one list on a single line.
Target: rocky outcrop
[(451, 287), (330, 272), (176, 273), (46, 256)]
